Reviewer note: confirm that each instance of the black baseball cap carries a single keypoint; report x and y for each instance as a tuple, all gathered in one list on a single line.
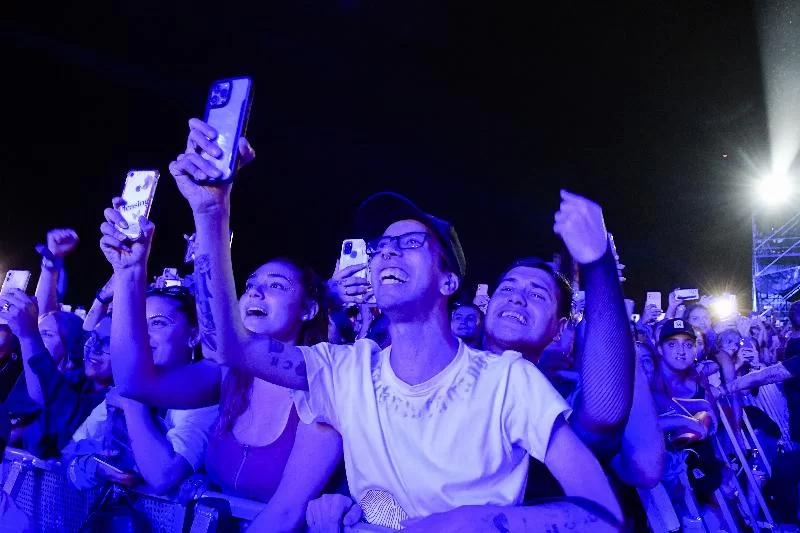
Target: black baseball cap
[(380, 210), (676, 326)]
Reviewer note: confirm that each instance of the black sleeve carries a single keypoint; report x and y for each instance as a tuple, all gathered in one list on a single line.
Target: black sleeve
[(606, 359), (792, 365)]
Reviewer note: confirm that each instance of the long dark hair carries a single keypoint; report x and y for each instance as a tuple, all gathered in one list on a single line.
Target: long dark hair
[(237, 386)]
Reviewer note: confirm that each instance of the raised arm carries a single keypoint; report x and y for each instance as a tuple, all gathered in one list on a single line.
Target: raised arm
[(640, 462), (21, 313), (225, 339), (607, 357), (100, 305), (60, 243), (135, 374)]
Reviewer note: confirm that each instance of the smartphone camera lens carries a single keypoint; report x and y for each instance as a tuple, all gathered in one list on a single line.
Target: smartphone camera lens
[(348, 247)]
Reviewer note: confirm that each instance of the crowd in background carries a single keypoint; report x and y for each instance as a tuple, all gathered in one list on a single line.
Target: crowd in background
[(391, 393)]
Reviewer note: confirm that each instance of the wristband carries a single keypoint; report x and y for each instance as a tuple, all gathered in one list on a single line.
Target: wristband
[(49, 261), (104, 301)]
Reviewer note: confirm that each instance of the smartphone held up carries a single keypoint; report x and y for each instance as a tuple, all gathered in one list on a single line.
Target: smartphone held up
[(15, 279), (228, 111), (137, 198)]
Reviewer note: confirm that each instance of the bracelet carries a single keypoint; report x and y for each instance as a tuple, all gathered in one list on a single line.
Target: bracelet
[(99, 298), (49, 261)]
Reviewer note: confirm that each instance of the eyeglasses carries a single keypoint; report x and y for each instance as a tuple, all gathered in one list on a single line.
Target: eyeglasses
[(406, 241), (98, 344)]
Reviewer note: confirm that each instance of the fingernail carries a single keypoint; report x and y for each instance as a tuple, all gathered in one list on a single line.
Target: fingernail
[(217, 173), (122, 224)]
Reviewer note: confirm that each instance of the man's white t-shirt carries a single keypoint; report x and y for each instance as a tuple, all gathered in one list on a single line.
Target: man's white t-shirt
[(461, 438)]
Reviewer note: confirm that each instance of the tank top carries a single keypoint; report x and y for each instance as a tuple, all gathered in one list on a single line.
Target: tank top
[(252, 472)]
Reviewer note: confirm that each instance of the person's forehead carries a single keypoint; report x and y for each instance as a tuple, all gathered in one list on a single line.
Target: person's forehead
[(680, 337), (697, 312), (158, 304), (404, 226), (462, 311), (526, 275), (275, 269)]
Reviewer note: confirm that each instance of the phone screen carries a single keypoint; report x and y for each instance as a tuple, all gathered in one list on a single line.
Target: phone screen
[(654, 298), (15, 279), (106, 462), (140, 186)]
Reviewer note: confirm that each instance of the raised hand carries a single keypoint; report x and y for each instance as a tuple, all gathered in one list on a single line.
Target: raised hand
[(62, 242), (348, 288), (579, 223), (121, 252), (21, 312), (650, 314), (191, 168)]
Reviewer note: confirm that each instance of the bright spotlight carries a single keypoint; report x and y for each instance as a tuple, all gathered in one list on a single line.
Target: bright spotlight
[(724, 306), (775, 189)]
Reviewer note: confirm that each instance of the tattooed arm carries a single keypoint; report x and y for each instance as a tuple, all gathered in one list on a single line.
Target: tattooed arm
[(225, 339), (548, 517)]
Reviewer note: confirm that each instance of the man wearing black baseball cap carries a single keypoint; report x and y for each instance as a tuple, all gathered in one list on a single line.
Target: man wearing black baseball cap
[(407, 411)]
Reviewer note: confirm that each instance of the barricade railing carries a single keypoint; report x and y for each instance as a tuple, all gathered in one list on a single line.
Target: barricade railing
[(43, 491)]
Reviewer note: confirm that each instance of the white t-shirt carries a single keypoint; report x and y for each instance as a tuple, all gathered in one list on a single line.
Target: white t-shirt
[(461, 438), (187, 430)]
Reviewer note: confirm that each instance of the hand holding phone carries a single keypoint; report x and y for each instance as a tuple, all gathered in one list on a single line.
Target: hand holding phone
[(481, 299), (17, 309), (137, 198), (350, 282), (16, 279), (120, 251), (110, 472), (227, 113)]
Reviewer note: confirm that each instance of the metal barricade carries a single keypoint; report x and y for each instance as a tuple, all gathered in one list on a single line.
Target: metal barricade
[(42, 490)]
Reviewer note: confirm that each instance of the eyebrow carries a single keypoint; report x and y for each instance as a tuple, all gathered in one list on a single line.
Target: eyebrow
[(160, 315), (273, 275), (532, 283)]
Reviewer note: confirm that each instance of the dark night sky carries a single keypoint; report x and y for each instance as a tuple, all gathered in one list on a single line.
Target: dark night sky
[(477, 111)]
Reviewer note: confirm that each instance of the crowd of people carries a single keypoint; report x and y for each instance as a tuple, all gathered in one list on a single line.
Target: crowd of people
[(392, 394)]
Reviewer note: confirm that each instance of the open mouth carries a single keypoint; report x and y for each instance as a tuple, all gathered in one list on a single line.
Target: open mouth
[(254, 311), (94, 359), (391, 276), (513, 315)]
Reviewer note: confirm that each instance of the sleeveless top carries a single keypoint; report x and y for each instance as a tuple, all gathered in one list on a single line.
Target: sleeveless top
[(252, 472)]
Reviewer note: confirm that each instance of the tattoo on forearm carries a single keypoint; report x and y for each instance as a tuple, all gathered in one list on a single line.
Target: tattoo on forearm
[(500, 523), (208, 331), (276, 346), (286, 364)]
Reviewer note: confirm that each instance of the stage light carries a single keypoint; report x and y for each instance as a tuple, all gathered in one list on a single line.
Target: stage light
[(724, 306), (774, 190)]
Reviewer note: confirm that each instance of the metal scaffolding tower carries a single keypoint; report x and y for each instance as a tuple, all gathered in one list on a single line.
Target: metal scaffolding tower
[(776, 262)]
